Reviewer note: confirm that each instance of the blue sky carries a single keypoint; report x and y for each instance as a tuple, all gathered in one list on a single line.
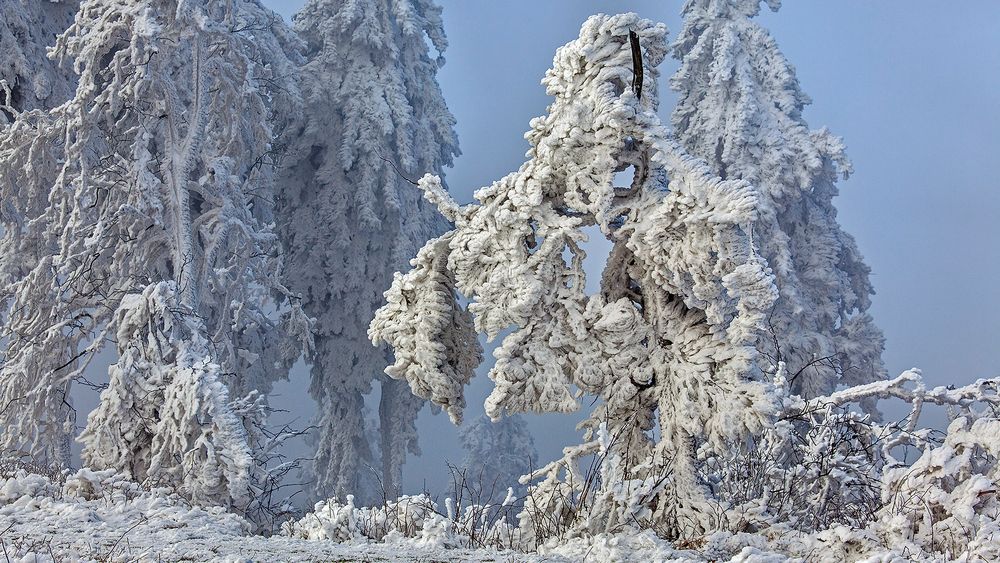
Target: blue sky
[(912, 87)]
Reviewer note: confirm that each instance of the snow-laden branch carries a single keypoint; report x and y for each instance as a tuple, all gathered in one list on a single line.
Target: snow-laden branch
[(909, 386)]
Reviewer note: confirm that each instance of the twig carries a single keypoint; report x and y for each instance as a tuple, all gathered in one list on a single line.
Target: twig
[(637, 74), (394, 167)]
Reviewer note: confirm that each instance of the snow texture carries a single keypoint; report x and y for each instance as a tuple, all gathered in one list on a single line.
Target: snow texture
[(29, 80), (100, 516), (734, 371)]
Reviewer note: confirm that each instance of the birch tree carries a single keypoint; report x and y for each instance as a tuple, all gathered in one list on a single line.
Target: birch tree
[(374, 116), (160, 182)]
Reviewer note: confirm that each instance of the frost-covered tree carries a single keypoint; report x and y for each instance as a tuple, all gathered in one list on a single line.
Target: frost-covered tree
[(498, 453), (740, 109), (32, 80), (165, 176), (667, 344), (374, 115)]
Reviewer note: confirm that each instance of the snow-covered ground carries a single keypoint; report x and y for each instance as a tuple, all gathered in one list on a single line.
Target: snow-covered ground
[(97, 516), (100, 516), (94, 516)]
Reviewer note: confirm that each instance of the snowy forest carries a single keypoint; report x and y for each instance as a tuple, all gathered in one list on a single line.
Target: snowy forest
[(198, 198)]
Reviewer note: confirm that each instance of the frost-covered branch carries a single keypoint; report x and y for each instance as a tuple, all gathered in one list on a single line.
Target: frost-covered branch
[(146, 176)]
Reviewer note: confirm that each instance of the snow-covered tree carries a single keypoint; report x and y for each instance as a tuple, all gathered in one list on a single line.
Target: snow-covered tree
[(498, 453), (165, 175), (667, 344), (29, 79), (31, 82), (740, 110), (374, 115)]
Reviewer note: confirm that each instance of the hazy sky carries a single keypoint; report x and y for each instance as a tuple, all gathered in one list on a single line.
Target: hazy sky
[(912, 87)]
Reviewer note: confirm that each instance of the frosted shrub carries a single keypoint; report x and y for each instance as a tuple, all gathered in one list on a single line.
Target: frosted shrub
[(590, 491), (946, 501), (814, 469), (166, 416), (415, 518), (943, 504)]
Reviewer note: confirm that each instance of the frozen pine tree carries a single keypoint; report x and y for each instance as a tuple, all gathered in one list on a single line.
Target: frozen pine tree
[(740, 109), (30, 83), (667, 346), (28, 78), (498, 453), (159, 182), (374, 115)]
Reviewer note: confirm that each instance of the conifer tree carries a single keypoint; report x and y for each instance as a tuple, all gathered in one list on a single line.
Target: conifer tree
[(740, 109), (498, 453), (374, 116)]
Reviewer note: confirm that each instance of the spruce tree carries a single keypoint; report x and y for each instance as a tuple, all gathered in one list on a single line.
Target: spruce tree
[(374, 116), (740, 110)]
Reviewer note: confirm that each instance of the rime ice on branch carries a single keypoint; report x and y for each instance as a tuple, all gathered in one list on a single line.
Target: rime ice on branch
[(30, 83), (740, 109), (166, 416), (374, 114), (669, 339)]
